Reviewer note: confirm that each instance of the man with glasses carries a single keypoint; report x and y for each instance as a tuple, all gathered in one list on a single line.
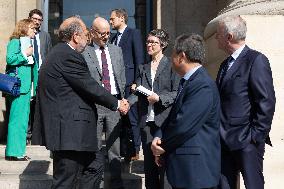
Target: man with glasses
[(41, 45), (130, 41), (42, 40), (105, 62)]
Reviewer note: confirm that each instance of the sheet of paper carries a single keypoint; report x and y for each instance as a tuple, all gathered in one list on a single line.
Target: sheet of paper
[(26, 43), (143, 90)]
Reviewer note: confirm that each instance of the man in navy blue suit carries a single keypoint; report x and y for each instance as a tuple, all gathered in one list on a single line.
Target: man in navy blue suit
[(188, 144), (130, 41), (247, 102)]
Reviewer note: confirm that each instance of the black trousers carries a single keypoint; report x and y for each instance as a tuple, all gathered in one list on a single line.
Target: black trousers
[(155, 177), (248, 161), (77, 170)]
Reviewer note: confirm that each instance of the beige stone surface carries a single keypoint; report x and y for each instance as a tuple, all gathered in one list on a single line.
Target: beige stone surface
[(23, 8), (265, 34)]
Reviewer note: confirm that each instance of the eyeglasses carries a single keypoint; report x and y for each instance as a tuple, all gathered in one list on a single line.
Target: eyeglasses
[(38, 19), (102, 34), (152, 43)]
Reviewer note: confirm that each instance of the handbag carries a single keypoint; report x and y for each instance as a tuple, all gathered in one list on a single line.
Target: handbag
[(9, 84)]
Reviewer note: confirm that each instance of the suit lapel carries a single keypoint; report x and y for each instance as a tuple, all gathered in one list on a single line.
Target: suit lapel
[(124, 37), (113, 58), (241, 58), (95, 67), (160, 68), (147, 68), (178, 103)]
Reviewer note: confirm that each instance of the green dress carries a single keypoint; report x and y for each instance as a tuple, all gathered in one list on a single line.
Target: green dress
[(19, 106)]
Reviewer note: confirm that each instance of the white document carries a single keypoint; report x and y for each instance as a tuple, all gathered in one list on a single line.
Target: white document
[(26, 43), (143, 90)]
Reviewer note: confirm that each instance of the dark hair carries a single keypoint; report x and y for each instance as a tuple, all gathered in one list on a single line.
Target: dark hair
[(121, 13), (67, 29), (162, 36), (193, 47), (35, 11)]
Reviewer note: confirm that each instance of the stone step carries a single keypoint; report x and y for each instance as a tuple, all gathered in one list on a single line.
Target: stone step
[(32, 150), (37, 173), (26, 167), (25, 181)]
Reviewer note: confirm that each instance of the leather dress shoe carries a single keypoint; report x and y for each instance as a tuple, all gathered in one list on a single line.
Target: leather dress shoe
[(13, 158)]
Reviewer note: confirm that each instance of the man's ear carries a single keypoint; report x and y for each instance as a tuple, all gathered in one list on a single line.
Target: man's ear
[(230, 37), (75, 38)]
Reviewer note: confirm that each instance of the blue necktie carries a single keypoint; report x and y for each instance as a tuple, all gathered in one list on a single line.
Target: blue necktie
[(116, 38), (225, 69), (180, 87), (36, 54)]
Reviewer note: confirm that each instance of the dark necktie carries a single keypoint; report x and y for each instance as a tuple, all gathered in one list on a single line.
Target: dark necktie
[(36, 50), (105, 71), (225, 69), (180, 87), (116, 38)]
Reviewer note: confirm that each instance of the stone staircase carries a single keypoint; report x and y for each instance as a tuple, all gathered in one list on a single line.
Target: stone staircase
[(37, 173)]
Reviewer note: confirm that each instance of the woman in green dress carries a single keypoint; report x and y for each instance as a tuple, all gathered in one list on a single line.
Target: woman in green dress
[(21, 64)]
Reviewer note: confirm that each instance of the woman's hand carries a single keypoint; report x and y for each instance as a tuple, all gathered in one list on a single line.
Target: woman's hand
[(133, 87), (153, 98), (29, 51)]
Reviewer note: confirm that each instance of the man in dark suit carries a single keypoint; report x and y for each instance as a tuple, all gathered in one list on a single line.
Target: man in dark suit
[(247, 101), (130, 41), (94, 56), (188, 142), (65, 110)]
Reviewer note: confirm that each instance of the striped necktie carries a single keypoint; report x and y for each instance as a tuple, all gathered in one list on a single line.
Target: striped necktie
[(105, 71)]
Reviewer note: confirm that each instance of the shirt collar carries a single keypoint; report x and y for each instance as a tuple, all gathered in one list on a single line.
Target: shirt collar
[(70, 46), (236, 54), (190, 72), (98, 47), (122, 30)]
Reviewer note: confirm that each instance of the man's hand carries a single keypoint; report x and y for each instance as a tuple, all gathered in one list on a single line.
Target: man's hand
[(124, 106), (159, 161), (156, 148), (153, 98)]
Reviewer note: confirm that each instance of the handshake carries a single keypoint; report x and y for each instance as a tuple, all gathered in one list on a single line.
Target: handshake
[(123, 106)]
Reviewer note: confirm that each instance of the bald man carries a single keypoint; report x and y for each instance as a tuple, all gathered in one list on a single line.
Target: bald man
[(105, 62), (66, 114)]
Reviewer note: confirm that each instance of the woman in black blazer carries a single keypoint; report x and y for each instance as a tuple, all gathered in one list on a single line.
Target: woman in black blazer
[(158, 77)]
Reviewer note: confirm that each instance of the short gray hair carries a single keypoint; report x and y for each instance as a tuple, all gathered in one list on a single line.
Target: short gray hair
[(162, 35), (70, 26), (192, 46), (235, 25)]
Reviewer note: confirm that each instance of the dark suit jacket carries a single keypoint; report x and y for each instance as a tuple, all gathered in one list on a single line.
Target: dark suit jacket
[(133, 53), (65, 110), (247, 100), (165, 85), (190, 135), (45, 44), (116, 62)]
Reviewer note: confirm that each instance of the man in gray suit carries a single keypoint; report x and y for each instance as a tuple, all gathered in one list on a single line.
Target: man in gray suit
[(41, 45), (42, 40), (105, 62)]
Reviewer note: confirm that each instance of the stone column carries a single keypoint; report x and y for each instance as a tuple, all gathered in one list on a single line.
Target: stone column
[(265, 23)]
